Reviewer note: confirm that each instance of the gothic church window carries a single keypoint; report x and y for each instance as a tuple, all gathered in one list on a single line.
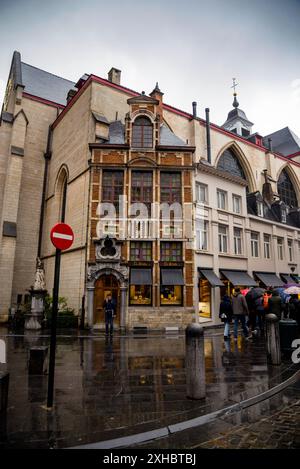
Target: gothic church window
[(229, 162), (142, 133), (286, 189)]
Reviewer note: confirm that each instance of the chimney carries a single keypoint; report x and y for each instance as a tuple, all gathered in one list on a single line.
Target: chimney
[(194, 104), (114, 76), (157, 94), (208, 147), (70, 94), (270, 144)]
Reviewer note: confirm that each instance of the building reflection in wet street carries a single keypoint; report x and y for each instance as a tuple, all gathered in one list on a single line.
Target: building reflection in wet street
[(109, 387)]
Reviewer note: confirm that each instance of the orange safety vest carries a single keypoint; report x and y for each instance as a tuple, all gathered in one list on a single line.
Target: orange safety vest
[(266, 300)]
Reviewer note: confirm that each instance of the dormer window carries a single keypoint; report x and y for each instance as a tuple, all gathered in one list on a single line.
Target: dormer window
[(142, 133), (260, 208), (283, 214)]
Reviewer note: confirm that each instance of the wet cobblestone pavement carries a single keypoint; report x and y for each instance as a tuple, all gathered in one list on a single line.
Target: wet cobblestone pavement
[(278, 431), (107, 389)]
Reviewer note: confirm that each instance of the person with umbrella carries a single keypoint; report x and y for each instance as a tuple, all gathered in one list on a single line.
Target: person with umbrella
[(294, 303), (256, 309)]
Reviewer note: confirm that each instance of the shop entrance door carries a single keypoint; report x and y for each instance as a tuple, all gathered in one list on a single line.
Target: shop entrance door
[(106, 284)]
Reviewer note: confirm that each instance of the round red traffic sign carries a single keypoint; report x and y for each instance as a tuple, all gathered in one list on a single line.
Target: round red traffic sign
[(62, 236)]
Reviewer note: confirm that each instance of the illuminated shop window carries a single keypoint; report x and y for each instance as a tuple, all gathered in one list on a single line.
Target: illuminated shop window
[(141, 295), (171, 288), (171, 295), (204, 299), (140, 287)]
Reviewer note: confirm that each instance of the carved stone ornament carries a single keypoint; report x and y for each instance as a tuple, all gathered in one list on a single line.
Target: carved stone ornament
[(121, 272), (107, 249)]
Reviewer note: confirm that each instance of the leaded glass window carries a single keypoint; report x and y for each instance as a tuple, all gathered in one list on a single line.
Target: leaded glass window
[(170, 187), (286, 189), (171, 252), (142, 133), (229, 162), (140, 251), (112, 187)]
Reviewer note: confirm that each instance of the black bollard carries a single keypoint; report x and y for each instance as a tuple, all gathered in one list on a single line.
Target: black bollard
[(273, 339), (37, 360), (4, 382), (195, 361)]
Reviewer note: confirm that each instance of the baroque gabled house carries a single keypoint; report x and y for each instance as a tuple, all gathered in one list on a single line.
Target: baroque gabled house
[(169, 211)]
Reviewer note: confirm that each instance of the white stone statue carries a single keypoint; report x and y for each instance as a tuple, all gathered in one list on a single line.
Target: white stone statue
[(39, 280)]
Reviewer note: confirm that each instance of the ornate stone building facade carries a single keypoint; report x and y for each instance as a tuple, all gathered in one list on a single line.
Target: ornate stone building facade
[(107, 160)]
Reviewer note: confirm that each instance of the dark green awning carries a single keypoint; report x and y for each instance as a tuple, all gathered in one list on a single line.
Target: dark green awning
[(288, 278), (239, 278), (172, 277), (141, 277), (211, 277), (269, 279)]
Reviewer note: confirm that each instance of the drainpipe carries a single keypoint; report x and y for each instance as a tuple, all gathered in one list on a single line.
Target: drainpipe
[(208, 136), (47, 157)]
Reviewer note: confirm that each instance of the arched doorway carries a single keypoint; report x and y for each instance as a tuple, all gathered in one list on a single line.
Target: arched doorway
[(106, 284)]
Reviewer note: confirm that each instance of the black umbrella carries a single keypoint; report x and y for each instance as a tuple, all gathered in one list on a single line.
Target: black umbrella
[(255, 293)]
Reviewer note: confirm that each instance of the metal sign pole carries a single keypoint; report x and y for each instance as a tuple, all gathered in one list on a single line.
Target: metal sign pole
[(53, 329)]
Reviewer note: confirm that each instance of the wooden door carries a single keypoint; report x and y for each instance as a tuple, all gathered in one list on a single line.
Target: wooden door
[(104, 285)]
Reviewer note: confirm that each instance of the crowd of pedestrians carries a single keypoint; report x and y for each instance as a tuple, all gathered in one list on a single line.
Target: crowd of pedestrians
[(250, 310)]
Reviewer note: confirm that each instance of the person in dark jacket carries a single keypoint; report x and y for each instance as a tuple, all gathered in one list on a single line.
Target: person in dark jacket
[(260, 313), (109, 310), (275, 305), (294, 308), (225, 314), (240, 311)]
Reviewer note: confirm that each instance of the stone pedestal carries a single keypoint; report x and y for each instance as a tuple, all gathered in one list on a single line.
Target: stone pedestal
[(33, 320)]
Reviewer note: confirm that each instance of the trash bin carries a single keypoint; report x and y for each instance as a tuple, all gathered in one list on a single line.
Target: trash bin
[(288, 330), (4, 381), (37, 360)]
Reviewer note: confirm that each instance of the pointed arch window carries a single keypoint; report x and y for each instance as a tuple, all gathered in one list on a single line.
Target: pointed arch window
[(229, 162), (62, 188), (142, 133), (286, 189)]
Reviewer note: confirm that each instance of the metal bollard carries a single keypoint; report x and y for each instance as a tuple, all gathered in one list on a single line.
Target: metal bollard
[(4, 382), (273, 339), (37, 360), (195, 361)]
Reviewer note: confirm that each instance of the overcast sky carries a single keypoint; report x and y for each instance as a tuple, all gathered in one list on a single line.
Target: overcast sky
[(193, 48)]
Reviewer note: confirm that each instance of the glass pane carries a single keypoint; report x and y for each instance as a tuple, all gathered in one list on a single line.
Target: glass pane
[(140, 295), (171, 295)]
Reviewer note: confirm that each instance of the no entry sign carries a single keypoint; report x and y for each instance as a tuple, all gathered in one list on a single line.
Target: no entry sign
[(62, 236)]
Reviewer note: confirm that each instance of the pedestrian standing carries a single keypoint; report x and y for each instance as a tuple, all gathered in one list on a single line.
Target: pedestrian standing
[(109, 310), (260, 313), (240, 311), (225, 314), (294, 309), (275, 304)]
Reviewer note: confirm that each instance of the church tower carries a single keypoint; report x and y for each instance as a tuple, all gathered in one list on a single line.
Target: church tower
[(237, 120)]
